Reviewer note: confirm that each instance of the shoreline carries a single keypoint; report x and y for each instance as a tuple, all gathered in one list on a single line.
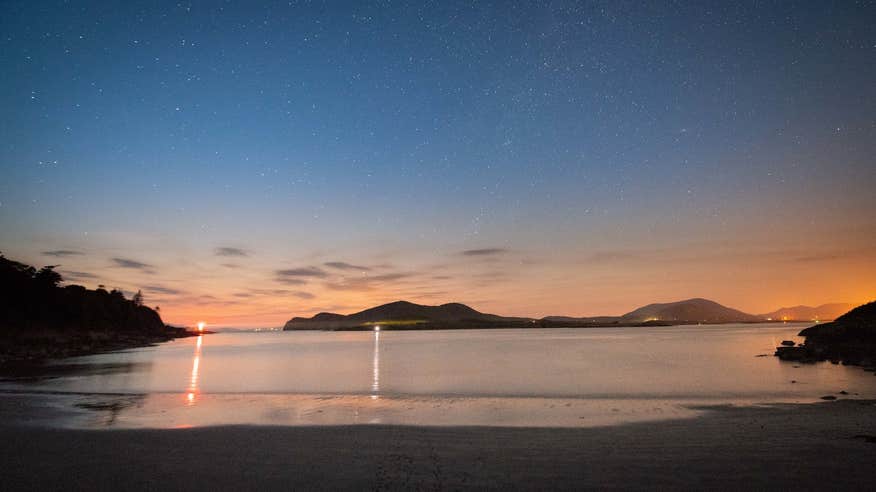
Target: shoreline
[(826, 445), (535, 324), (26, 352)]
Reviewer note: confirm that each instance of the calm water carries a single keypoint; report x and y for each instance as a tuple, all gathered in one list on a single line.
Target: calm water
[(566, 377)]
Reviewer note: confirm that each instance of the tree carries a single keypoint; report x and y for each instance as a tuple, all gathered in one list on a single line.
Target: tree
[(138, 298), (48, 277)]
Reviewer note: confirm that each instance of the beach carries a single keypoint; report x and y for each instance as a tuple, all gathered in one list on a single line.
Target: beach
[(805, 446)]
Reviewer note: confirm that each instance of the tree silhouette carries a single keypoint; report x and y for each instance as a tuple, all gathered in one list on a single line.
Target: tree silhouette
[(138, 298), (48, 277)]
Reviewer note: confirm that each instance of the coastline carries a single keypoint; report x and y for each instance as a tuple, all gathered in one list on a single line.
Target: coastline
[(805, 446), (15, 352)]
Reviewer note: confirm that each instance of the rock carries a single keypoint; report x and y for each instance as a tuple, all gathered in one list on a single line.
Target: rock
[(828, 397), (799, 353), (788, 343), (843, 392), (793, 381)]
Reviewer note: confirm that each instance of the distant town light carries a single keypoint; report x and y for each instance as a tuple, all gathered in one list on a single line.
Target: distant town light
[(201, 325), (376, 327)]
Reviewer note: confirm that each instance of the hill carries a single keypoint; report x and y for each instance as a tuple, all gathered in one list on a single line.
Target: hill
[(405, 315), (689, 311), (824, 312), (39, 319)]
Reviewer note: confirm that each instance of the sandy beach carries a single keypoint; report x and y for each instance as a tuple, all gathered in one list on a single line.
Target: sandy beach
[(804, 446)]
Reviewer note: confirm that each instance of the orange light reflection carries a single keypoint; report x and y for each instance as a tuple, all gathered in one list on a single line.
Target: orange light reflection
[(193, 391)]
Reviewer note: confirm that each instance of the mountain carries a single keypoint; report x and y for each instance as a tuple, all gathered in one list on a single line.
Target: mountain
[(403, 314), (689, 311), (825, 312), (407, 315)]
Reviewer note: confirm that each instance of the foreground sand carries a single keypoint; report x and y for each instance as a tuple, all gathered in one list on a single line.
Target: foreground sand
[(810, 446)]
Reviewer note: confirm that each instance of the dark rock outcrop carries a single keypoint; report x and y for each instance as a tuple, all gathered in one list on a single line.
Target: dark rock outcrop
[(850, 339)]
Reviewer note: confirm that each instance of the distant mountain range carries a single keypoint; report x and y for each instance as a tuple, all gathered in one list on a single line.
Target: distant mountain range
[(407, 315), (825, 312)]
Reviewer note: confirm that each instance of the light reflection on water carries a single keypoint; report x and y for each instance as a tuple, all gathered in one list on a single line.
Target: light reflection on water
[(375, 371), (192, 394), (566, 377)]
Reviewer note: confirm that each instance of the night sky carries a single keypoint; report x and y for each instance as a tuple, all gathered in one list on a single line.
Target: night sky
[(244, 163)]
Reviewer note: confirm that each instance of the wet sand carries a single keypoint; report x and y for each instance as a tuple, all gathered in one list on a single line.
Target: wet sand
[(805, 446)]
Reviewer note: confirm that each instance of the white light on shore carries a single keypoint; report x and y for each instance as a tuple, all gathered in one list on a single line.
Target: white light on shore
[(201, 325), (377, 328)]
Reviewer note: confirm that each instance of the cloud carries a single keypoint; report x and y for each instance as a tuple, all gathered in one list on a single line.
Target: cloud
[(484, 252), (162, 290), (270, 292), (62, 253), (291, 281), (303, 295), (133, 264), (340, 265), (78, 276), (226, 251), (366, 283), (301, 272)]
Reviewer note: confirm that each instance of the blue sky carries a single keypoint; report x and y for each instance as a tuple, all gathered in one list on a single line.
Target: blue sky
[(610, 153)]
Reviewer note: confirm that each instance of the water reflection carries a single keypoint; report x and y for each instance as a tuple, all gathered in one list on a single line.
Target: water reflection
[(375, 371), (193, 391)]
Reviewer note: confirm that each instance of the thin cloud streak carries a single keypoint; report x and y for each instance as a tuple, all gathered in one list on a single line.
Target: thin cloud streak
[(133, 264), (302, 272), (227, 251), (62, 253), (341, 265)]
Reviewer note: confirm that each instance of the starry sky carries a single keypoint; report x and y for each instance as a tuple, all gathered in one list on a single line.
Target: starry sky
[(242, 163)]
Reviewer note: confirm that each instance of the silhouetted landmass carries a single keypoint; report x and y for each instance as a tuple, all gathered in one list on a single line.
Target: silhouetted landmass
[(824, 312), (407, 315), (403, 315), (690, 311), (40, 319), (850, 339)]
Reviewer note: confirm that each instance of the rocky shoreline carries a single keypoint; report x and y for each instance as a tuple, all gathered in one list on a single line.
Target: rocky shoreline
[(850, 340), (59, 346)]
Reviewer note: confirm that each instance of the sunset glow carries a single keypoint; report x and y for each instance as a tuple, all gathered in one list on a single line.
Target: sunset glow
[(534, 166)]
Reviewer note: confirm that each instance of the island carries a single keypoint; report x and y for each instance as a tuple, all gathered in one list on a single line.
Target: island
[(404, 315)]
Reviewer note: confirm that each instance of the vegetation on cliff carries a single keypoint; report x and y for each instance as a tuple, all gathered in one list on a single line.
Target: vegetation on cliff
[(41, 319)]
